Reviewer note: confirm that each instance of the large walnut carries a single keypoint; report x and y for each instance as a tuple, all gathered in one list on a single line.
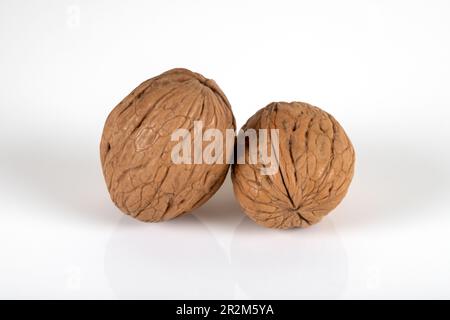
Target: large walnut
[(316, 162), (136, 145)]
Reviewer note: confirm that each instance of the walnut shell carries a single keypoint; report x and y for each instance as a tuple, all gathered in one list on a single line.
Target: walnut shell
[(315, 167), (136, 146)]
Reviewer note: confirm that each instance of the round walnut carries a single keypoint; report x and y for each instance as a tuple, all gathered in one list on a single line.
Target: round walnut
[(315, 167), (137, 144)]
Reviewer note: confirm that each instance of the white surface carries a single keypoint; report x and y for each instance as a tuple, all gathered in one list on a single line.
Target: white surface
[(382, 68)]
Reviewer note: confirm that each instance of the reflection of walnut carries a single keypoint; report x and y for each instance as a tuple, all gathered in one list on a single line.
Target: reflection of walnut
[(316, 161), (136, 145)]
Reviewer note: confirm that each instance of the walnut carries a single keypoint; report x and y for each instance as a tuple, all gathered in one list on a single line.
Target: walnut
[(136, 146), (315, 167)]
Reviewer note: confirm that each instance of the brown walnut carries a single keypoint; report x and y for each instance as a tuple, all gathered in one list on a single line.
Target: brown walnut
[(136, 145), (316, 163)]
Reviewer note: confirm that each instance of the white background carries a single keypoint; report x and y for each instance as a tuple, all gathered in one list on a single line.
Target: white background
[(382, 68)]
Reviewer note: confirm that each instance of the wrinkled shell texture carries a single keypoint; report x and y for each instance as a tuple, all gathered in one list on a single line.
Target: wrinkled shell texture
[(316, 163), (136, 146)]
